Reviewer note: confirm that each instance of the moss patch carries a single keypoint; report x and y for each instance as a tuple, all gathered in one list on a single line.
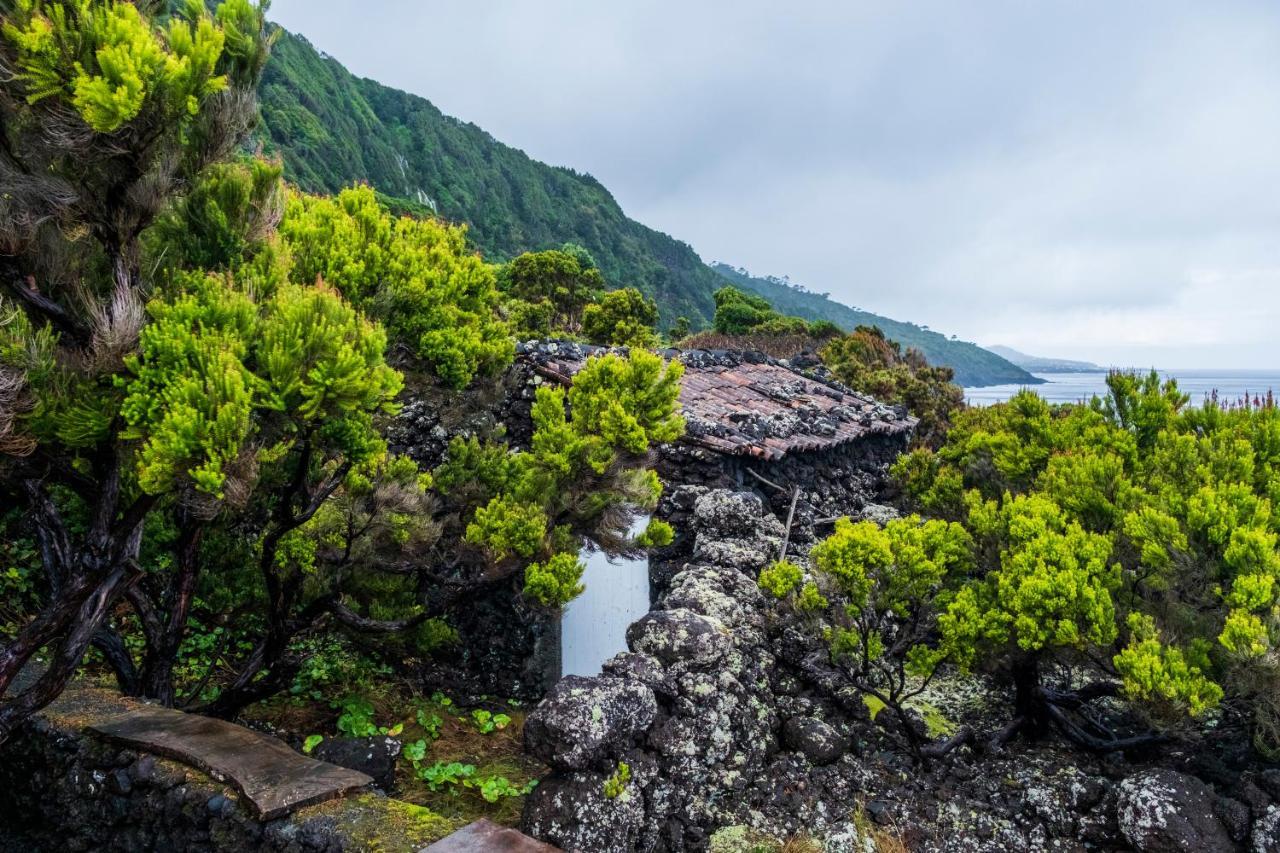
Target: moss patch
[(383, 825), (938, 724)]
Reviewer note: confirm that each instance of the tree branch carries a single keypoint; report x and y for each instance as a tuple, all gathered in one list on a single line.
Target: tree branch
[(356, 622), (45, 308)]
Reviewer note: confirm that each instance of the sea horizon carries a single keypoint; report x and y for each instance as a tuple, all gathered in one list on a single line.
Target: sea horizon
[(1081, 386)]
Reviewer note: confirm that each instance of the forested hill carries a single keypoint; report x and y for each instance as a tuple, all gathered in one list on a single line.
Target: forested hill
[(333, 128), (973, 364)]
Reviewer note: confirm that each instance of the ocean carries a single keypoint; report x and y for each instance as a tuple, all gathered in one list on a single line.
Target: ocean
[(1075, 387)]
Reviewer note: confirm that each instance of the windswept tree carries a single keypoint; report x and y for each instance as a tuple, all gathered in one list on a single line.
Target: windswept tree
[(107, 111), (624, 317), (1125, 549), (549, 291)]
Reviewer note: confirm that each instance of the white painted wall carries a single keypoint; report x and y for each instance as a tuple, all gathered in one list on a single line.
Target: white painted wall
[(594, 626)]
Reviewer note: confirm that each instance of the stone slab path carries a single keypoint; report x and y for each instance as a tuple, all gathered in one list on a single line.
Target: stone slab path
[(274, 779), (486, 837)]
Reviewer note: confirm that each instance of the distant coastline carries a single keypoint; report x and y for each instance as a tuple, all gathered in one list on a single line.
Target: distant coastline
[(1080, 386)]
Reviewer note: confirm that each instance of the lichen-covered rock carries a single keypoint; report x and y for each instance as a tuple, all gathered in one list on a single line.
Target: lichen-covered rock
[(585, 722), (819, 742), (373, 756), (679, 636), (1266, 832), (729, 597), (879, 513), (574, 812), (1163, 811), (645, 669), (727, 514)]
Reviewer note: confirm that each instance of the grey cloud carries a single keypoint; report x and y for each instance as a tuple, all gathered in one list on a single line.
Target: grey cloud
[(1089, 179)]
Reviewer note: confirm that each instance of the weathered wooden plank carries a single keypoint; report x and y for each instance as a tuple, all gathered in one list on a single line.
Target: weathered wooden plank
[(273, 778)]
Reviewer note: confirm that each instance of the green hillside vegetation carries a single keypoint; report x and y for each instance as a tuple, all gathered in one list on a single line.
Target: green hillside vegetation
[(333, 129), (972, 364)]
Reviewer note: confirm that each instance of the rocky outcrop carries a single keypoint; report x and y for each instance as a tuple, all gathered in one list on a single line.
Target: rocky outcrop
[(1162, 811), (589, 722)]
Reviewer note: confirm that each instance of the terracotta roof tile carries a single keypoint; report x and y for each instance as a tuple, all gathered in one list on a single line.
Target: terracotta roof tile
[(749, 404)]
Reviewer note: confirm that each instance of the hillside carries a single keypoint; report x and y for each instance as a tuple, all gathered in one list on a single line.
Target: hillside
[(333, 129), (973, 364), (1040, 364)]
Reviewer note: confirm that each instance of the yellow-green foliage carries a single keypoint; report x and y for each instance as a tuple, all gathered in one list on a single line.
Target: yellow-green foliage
[(191, 395), (878, 574), (1052, 587), (893, 567), (416, 275), (616, 784), (623, 317), (210, 361), (581, 463), (109, 62), (780, 578), (1137, 526), (1155, 672), (657, 534), (555, 581)]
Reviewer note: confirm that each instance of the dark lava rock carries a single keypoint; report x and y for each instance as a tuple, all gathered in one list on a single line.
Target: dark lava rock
[(1234, 816), (819, 742), (373, 756), (584, 721), (1270, 782), (1266, 832), (645, 669), (573, 812), (679, 635), (1162, 811)]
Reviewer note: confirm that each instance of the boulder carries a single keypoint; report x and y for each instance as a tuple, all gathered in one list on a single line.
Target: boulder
[(573, 812), (879, 513), (1266, 832), (726, 514), (373, 756), (587, 721), (819, 742), (678, 635), (1162, 811), (1270, 782), (726, 595), (645, 669)]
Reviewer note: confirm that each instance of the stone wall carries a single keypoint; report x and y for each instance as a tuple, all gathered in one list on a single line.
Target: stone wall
[(506, 647), (62, 789), (700, 710)]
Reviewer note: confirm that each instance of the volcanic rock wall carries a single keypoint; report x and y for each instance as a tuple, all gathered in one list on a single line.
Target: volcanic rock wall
[(696, 727)]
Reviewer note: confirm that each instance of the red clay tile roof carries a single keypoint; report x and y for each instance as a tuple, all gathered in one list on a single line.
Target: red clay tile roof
[(746, 404)]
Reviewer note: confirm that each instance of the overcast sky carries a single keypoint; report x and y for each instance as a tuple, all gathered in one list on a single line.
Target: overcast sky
[(1095, 180)]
